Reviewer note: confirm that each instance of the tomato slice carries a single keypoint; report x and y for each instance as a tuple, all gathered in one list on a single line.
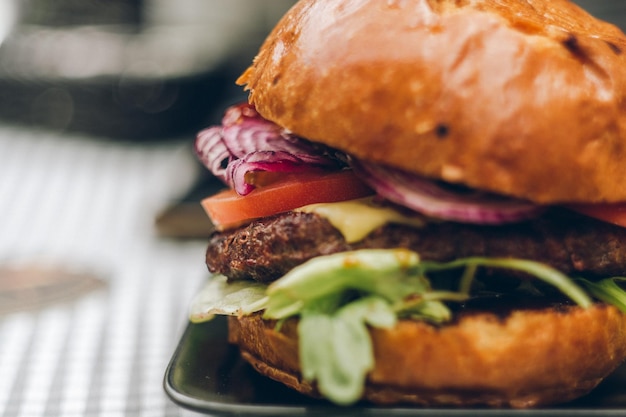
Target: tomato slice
[(614, 213), (228, 209)]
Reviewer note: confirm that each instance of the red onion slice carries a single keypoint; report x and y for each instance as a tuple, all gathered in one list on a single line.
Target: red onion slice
[(436, 200), (246, 142), (270, 161)]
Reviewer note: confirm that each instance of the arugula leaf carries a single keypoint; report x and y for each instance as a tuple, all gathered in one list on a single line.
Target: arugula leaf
[(539, 270), (338, 296), (608, 290)]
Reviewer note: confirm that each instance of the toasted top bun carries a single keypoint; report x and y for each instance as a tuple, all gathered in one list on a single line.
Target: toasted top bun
[(530, 358), (522, 98)]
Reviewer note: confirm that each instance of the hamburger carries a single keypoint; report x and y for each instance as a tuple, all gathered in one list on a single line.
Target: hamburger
[(425, 203)]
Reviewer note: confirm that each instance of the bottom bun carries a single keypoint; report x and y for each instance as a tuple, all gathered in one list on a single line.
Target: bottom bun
[(526, 358)]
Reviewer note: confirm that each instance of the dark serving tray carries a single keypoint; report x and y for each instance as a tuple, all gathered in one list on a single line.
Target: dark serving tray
[(206, 374)]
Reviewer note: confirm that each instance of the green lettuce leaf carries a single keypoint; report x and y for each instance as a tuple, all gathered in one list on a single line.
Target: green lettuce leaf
[(392, 274), (336, 349), (220, 296), (337, 297)]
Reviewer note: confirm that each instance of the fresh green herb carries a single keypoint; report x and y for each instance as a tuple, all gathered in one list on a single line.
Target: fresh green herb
[(608, 290), (541, 271), (338, 296)]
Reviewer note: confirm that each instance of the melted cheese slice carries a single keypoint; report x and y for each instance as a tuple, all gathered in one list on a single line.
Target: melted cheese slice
[(356, 219)]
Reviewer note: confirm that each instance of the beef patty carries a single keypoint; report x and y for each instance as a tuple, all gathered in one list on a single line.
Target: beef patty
[(266, 249)]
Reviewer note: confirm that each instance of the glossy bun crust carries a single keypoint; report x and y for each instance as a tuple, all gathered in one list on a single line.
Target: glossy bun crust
[(524, 98), (528, 359)]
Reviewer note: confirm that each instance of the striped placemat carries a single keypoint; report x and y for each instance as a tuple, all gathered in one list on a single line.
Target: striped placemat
[(92, 299)]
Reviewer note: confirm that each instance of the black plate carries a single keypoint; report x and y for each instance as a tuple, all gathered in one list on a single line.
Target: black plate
[(206, 374)]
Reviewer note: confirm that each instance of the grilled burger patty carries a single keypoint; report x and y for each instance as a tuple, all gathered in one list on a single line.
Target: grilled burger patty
[(267, 248)]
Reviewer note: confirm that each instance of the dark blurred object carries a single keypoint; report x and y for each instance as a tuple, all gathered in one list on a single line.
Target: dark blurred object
[(81, 12), (613, 11), (139, 69), (185, 218)]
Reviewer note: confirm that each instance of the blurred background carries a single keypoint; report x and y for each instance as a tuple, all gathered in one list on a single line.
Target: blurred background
[(101, 236), (125, 68)]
